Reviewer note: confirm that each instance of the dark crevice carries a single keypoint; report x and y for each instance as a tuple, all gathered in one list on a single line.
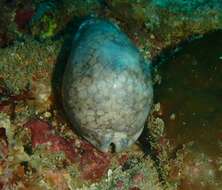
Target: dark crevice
[(145, 141)]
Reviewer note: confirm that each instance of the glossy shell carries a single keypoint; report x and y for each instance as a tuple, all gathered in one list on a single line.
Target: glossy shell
[(107, 88)]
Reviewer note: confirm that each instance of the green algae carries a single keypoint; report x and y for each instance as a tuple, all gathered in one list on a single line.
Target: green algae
[(52, 17)]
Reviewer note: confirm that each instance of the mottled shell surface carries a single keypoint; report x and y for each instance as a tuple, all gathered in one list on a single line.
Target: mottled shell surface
[(107, 88)]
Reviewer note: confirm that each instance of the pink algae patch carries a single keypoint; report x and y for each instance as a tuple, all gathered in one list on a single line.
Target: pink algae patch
[(92, 163), (42, 133), (22, 17)]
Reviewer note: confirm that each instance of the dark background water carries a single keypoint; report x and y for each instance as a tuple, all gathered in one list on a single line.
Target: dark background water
[(191, 94)]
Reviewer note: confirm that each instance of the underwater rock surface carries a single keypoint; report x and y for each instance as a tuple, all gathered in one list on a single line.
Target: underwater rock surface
[(107, 87), (188, 6)]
